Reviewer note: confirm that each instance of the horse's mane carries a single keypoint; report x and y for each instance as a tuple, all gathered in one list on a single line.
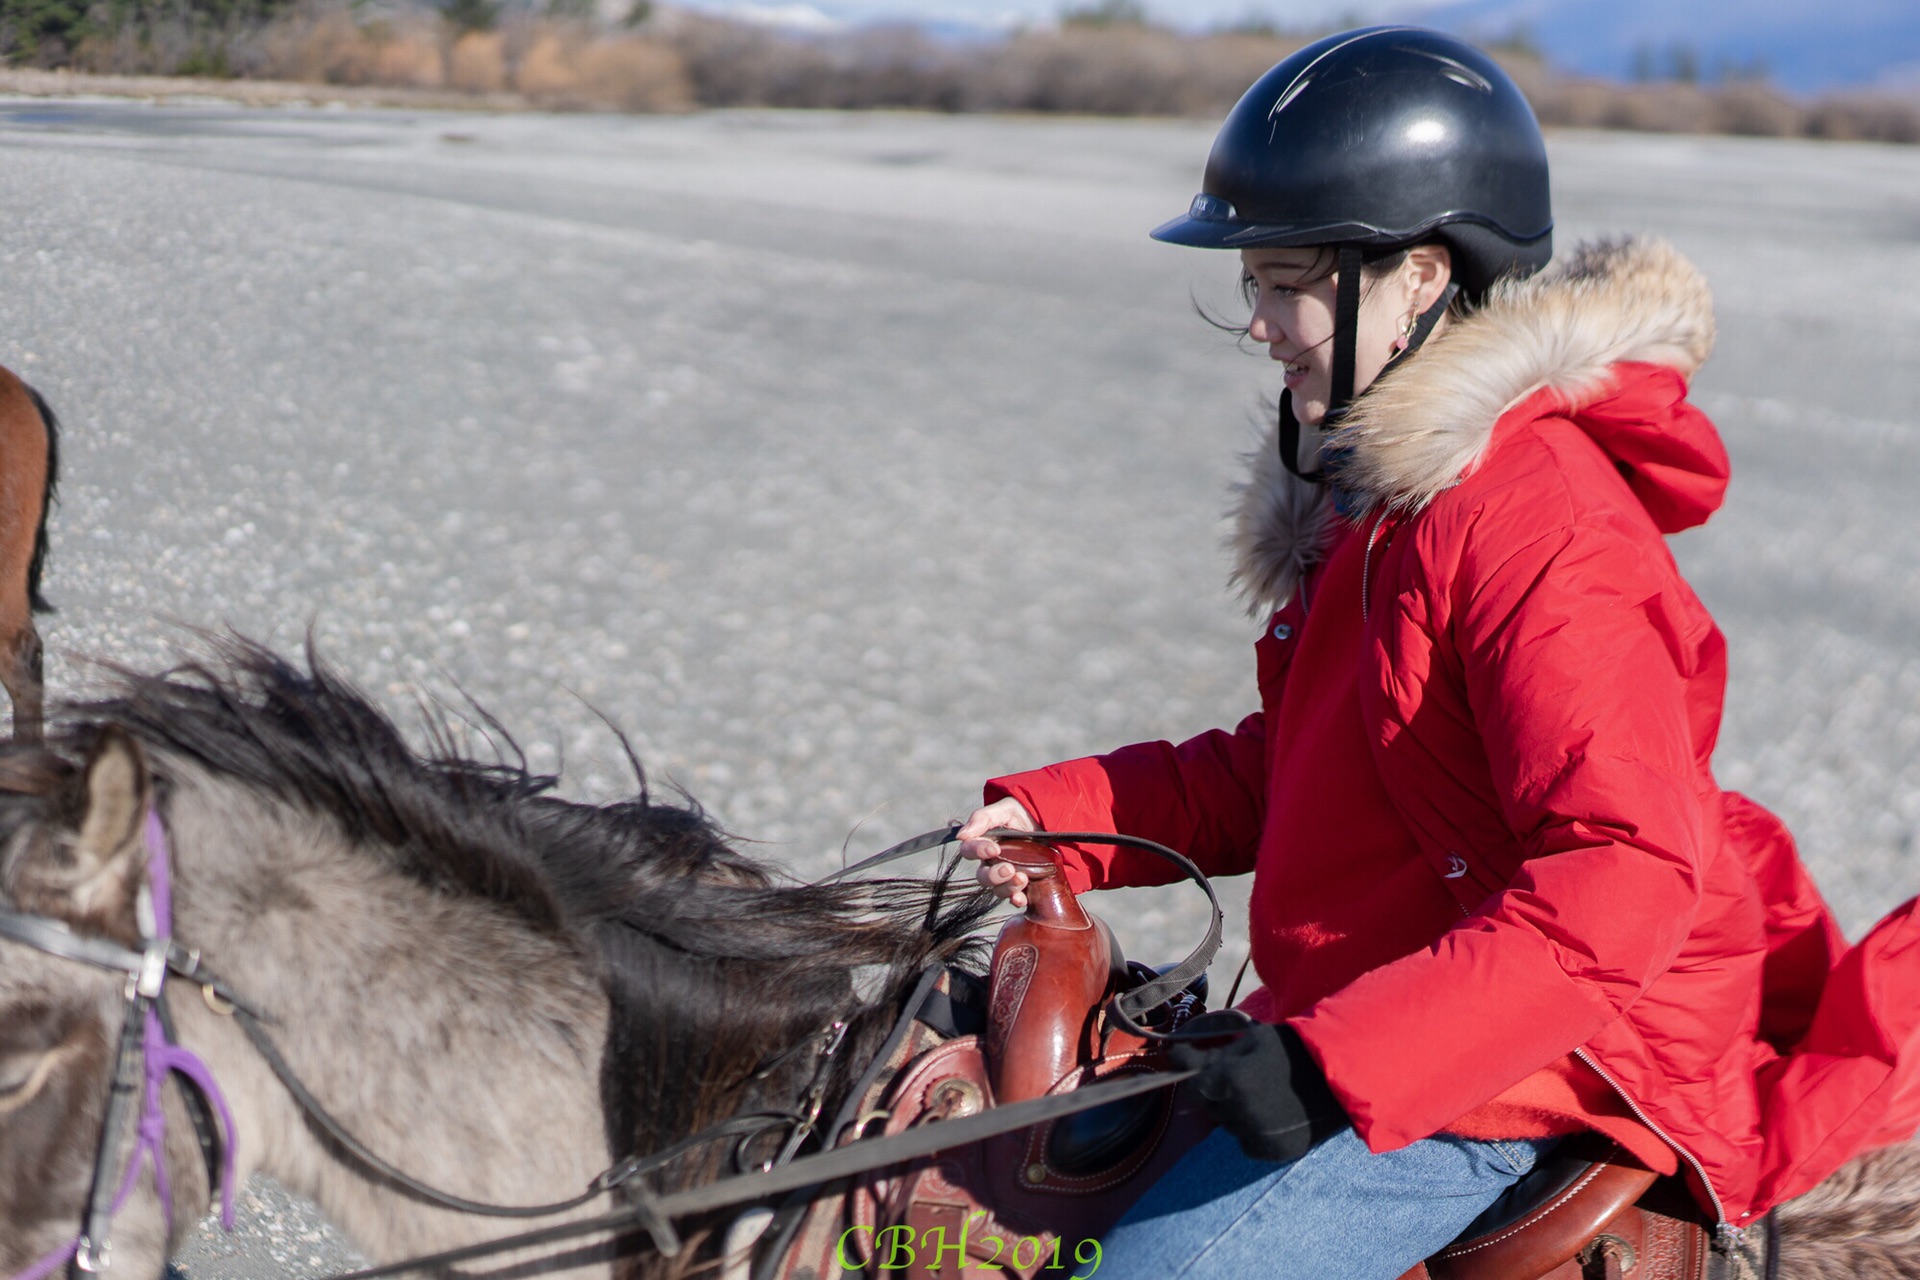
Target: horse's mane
[(49, 487), (714, 963)]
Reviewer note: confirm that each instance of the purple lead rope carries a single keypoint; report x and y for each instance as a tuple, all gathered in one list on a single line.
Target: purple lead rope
[(162, 1058)]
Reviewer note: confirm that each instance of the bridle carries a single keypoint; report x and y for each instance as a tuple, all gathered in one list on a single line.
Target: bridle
[(148, 1054)]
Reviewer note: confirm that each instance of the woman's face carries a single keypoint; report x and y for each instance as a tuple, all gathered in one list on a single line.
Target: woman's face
[(1293, 308)]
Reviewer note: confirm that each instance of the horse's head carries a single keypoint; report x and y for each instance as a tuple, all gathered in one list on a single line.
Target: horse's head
[(70, 851)]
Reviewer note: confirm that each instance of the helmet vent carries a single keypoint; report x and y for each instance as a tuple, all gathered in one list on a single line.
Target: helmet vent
[(1458, 72), (1294, 90)]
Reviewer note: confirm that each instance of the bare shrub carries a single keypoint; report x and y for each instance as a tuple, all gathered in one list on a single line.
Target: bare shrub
[(545, 71), (318, 46), (1097, 68), (634, 75), (478, 62), (117, 52), (732, 64), (567, 67), (896, 66), (1106, 70), (410, 58), (1672, 107), (1754, 110), (1865, 120)]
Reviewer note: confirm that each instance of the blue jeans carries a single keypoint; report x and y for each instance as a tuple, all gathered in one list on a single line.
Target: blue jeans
[(1338, 1213)]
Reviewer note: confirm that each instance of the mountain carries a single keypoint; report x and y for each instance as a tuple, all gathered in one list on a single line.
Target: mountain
[(1802, 46)]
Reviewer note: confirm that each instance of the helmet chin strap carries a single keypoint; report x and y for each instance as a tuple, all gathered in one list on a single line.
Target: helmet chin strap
[(1346, 327)]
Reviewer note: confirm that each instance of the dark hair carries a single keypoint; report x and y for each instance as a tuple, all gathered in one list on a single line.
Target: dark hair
[(1375, 264)]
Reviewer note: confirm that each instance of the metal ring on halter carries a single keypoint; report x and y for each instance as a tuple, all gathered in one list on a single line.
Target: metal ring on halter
[(857, 1129)]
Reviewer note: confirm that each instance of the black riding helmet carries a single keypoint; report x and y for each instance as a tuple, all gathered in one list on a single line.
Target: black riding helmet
[(1368, 142)]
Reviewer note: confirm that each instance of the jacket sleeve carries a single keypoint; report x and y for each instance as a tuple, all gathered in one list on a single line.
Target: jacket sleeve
[(1204, 797), (1577, 653)]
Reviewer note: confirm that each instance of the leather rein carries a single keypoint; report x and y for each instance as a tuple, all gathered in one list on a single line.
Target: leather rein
[(148, 1049)]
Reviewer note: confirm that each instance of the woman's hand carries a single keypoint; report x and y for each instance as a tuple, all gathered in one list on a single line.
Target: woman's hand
[(1265, 1089), (1000, 877)]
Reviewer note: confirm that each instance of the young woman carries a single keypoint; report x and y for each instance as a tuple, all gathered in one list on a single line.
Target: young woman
[(1498, 897)]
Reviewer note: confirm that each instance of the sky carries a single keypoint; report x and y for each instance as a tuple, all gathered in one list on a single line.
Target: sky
[(1807, 47)]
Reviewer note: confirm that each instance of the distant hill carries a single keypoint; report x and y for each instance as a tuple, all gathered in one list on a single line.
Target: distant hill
[(1803, 46)]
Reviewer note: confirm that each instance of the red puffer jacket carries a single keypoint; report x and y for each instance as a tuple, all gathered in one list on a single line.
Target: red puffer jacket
[(1541, 693)]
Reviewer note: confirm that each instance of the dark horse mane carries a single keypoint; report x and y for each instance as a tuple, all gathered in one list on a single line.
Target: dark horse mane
[(37, 565), (714, 964)]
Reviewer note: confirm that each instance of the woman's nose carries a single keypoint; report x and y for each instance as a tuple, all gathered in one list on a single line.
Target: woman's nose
[(1262, 327)]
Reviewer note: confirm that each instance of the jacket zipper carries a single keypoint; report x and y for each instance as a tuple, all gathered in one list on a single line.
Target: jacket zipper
[(1726, 1236), (1366, 566)]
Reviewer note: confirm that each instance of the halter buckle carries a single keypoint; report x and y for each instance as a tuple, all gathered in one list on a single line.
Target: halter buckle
[(646, 1208), (152, 978), (93, 1258), (216, 1003)]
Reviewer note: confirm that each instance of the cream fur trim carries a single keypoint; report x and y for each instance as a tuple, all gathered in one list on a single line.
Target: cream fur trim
[(1418, 430), (1280, 530)]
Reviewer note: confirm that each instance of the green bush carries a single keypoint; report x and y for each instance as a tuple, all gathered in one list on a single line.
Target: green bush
[(1106, 13), (472, 15), (172, 36), (40, 31)]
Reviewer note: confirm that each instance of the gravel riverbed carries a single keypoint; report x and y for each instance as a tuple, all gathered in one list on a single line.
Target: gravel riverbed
[(843, 460)]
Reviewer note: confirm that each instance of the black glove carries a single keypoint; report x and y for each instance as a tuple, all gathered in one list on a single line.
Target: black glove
[(1265, 1089)]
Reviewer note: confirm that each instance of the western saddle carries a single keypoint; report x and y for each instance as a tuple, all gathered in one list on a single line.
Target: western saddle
[(1587, 1212)]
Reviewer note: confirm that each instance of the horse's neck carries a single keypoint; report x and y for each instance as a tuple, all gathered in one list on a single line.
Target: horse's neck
[(452, 1040)]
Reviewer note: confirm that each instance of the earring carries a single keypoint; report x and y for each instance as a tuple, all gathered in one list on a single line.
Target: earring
[(1405, 339)]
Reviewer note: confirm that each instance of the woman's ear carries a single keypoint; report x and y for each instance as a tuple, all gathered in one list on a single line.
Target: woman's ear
[(1429, 270)]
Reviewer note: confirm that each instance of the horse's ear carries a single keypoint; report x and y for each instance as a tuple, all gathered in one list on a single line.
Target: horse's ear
[(107, 854)]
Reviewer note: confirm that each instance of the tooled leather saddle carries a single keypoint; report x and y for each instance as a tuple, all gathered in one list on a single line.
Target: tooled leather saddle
[(1030, 1202)]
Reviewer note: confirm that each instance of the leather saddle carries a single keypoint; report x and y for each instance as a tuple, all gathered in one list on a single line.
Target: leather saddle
[(1024, 1202)]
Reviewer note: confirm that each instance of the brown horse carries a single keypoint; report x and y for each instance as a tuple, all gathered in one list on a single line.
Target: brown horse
[(498, 990), (29, 470)]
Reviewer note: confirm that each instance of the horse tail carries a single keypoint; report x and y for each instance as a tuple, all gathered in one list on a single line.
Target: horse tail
[(48, 488)]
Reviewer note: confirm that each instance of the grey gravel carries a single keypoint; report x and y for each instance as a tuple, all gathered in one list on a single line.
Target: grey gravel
[(844, 460)]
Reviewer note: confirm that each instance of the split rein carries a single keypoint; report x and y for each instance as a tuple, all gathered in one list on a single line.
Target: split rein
[(148, 1055)]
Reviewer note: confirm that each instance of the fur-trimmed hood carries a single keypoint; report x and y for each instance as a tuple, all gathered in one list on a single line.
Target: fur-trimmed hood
[(1418, 430)]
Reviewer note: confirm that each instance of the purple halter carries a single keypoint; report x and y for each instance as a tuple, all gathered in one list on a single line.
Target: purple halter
[(162, 1058)]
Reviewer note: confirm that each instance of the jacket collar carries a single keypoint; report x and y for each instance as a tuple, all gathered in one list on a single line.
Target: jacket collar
[(1419, 429)]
